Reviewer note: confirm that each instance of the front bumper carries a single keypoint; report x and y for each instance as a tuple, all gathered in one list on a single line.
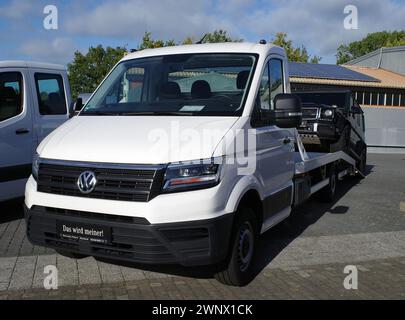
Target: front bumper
[(201, 204), (315, 131), (192, 243)]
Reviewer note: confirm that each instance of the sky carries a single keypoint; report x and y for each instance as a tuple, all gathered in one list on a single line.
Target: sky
[(316, 24)]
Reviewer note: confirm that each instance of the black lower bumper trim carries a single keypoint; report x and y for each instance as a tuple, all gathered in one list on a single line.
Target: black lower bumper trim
[(202, 242)]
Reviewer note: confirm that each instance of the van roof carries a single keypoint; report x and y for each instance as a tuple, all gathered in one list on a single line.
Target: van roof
[(31, 64), (227, 47)]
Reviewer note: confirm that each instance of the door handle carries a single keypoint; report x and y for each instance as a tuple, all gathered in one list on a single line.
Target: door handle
[(286, 140), (22, 131)]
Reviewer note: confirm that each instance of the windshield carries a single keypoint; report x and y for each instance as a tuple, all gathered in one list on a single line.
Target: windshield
[(184, 84), (330, 99)]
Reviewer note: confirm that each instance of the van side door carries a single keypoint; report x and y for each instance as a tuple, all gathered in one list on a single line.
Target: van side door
[(274, 147), (17, 138), (51, 100)]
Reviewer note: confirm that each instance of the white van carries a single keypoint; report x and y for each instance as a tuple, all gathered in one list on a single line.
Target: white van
[(34, 100), (182, 155)]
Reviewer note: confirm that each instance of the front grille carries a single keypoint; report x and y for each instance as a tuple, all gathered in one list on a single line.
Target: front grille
[(309, 113), (125, 184)]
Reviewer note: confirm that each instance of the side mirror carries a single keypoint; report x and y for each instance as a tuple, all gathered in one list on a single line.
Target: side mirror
[(288, 111), (77, 106), (71, 109)]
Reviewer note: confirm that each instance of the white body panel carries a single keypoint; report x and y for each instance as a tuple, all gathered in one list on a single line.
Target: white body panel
[(45, 124), (18, 149), (135, 139), (126, 140), (94, 159)]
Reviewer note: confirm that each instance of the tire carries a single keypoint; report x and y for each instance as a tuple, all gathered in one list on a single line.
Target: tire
[(239, 269), (362, 164), (328, 193), (72, 255)]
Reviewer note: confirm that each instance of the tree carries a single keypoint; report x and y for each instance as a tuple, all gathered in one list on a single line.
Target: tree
[(87, 71), (371, 42), (149, 43), (188, 40), (219, 36), (298, 54), (211, 37)]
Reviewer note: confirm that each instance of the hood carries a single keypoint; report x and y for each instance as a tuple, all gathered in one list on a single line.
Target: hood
[(136, 139)]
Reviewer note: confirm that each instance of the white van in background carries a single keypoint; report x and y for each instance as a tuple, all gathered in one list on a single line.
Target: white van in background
[(34, 100)]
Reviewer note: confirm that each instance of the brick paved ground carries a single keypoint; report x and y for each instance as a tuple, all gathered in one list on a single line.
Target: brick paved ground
[(378, 279), (303, 257)]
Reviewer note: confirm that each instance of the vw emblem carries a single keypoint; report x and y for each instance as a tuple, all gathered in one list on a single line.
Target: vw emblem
[(87, 182)]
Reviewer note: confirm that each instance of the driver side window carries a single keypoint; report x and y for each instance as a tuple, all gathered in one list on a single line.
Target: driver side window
[(264, 90), (271, 84), (276, 79), (261, 112)]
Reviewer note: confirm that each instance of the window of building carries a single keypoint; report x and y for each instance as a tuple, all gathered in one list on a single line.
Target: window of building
[(395, 100), (51, 94), (388, 101), (360, 97), (367, 98), (374, 98), (402, 99), (11, 103), (381, 99)]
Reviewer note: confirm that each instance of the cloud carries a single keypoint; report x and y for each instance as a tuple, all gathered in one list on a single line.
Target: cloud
[(319, 24), (16, 10), (171, 19), (57, 50), (316, 24)]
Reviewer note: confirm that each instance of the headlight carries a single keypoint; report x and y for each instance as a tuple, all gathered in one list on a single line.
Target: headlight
[(35, 166), (192, 175), (327, 113)]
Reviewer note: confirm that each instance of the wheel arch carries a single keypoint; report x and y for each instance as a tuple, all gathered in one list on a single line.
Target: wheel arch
[(252, 200), (246, 191)]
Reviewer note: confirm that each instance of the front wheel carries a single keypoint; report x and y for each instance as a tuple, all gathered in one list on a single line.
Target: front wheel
[(239, 270)]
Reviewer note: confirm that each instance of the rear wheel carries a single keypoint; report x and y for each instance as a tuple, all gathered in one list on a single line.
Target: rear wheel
[(238, 271), (362, 163), (328, 193)]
